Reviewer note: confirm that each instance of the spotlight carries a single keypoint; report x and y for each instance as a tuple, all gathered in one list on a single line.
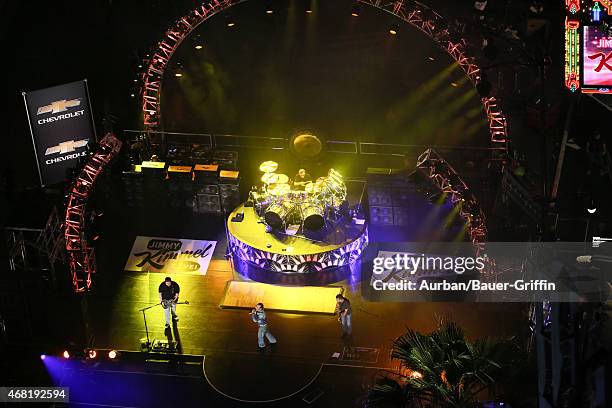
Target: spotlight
[(178, 74), (432, 59), (394, 29), (92, 354), (42, 356), (132, 95), (308, 6), (355, 9), (454, 84), (66, 354), (269, 9), (591, 206), (199, 47), (229, 21), (112, 354)]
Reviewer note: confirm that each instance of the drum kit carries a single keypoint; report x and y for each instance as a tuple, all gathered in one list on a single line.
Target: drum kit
[(279, 206)]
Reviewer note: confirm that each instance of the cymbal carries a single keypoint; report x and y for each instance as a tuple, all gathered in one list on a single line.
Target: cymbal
[(321, 180), (279, 189), (274, 178), (268, 166)]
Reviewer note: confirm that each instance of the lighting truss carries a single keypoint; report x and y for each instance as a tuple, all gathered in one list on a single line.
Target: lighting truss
[(444, 176), (429, 22), (435, 27), (173, 37), (81, 259)]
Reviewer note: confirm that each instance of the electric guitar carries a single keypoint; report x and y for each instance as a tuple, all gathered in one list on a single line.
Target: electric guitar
[(167, 302)]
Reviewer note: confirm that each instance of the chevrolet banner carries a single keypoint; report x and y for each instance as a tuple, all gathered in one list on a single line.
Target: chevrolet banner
[(61, 124), (170, 255)]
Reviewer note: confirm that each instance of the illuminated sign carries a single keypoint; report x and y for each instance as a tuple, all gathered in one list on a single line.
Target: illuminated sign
[(572, 55), (597, 60)]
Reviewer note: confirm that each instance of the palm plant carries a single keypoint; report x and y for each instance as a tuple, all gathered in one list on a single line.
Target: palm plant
[(447, 370)]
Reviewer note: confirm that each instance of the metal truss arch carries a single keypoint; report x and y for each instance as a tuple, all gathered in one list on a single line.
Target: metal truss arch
[(436, 28), (448, 181), (81, 261), (414, 13)]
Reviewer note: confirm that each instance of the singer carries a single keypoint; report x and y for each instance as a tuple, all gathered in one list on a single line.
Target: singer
[(259, 316)]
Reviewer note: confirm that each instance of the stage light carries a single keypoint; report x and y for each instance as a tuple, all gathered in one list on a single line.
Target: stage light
[(592, 210), (454, 84), (229, 21), (394, 29), (112, 354), (92, 354), (355, 10), (42, 356), (199, 47), (269, 9), (66, 354), (132, 95), (178, 74), (308, 6), (432, 59)]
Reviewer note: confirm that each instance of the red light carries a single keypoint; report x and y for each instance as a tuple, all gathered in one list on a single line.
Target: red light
[(92, 353)]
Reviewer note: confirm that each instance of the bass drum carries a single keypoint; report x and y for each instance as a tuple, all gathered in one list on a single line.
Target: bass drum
[(313, 214), (277, 214)]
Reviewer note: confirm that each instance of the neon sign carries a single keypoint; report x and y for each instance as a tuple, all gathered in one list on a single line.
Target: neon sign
[(572, 55), (588, 48)]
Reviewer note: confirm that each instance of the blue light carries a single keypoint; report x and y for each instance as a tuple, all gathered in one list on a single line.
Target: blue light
[(596, 12)]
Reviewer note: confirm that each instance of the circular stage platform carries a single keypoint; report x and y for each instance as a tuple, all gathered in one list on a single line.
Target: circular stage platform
[(333, 246)]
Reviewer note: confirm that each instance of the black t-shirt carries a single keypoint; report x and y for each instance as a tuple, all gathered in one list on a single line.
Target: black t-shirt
[(168, 292), (298, 179), (345, 305)]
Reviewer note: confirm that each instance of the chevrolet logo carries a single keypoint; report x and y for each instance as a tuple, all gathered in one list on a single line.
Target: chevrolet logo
[(58, 106), (66, 147)]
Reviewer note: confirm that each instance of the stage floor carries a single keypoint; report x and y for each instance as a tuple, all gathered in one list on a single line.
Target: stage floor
[(290, 299), (226, 336)]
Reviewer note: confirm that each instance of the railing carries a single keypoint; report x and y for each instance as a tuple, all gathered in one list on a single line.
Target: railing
[(353, 147)]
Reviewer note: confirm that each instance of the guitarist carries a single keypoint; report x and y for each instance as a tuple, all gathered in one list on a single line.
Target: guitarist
[(168, 296)]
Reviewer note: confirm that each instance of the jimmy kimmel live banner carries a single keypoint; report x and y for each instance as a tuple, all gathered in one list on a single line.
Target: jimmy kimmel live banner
[(170, 255), (61, 125)]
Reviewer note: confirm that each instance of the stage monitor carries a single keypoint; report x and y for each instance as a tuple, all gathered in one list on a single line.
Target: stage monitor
[(596, 60)]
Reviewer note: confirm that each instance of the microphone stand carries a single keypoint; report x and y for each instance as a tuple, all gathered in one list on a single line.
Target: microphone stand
[(144, 316)]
